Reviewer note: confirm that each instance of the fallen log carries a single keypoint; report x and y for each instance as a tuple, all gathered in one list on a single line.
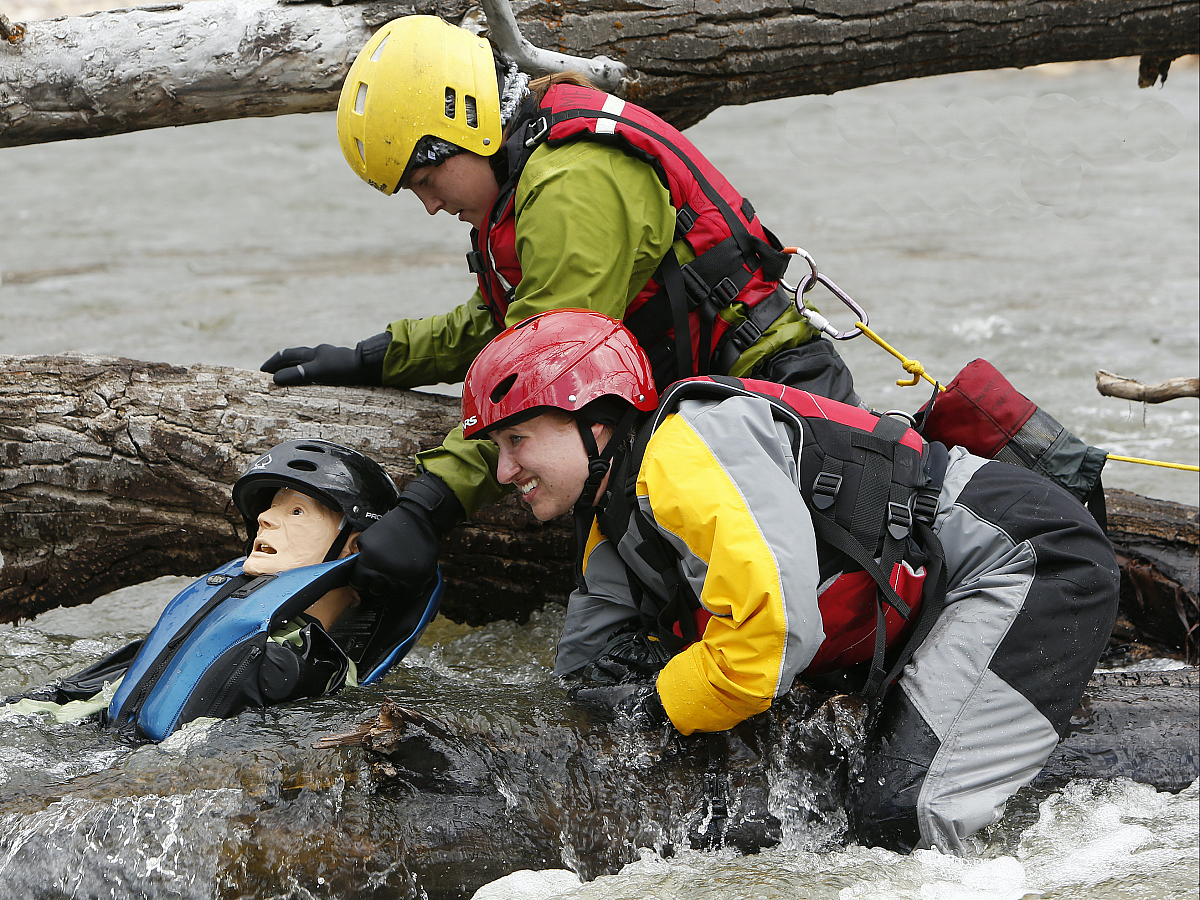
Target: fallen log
[(456, 783), (116, 471), (177, 64), (596, 793), (1110, 384)]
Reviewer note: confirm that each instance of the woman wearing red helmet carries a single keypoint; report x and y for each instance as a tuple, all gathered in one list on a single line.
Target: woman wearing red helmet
[(735, 535)]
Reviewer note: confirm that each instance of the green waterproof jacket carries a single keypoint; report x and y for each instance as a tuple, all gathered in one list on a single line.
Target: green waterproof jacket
[(592, 226)]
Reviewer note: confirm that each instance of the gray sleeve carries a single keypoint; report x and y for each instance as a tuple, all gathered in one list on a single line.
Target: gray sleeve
[(594, 615)]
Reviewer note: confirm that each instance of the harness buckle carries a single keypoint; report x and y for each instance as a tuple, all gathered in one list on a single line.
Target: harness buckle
[(746, 335), (685, 220), (899, 523), (825, 489), (726, 291), (475, 262), (925, 504), (540, 128)]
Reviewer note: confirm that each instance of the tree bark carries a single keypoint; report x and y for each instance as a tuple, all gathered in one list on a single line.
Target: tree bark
[(113, 72), (1110, 384), (115, 471)]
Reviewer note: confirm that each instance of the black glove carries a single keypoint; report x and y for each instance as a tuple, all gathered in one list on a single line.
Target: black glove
[(633, 704), (327, 364), (397, 556), (631, 656)]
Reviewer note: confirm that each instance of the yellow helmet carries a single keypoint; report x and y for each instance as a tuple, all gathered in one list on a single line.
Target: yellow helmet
[(417, 76)]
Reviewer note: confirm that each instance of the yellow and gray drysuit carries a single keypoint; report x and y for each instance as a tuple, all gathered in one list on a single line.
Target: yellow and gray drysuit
[(1031, 596)]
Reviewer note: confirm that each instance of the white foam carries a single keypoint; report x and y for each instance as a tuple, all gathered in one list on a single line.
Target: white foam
[(527, 884)]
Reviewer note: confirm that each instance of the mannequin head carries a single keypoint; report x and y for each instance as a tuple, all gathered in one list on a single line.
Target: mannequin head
[(295, 530)]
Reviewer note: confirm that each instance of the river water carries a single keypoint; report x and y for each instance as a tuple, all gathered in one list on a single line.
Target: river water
[(1046, 219)]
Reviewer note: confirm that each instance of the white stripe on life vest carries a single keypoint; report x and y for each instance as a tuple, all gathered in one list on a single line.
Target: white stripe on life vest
[(614, 106)]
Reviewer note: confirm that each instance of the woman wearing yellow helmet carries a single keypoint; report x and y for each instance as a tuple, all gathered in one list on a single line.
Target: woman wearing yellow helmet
[(577, 200)]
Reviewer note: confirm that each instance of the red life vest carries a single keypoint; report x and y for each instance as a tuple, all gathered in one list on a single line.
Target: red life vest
[(736, 257), (871, 484)]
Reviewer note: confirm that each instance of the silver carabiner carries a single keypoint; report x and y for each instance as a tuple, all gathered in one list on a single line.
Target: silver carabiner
[(814, 318)]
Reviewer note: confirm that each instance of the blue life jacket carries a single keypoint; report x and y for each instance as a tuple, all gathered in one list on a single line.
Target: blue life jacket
[(210, 652)]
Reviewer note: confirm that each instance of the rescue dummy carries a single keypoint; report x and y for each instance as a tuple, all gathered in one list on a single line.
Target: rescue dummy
[(576, 199), (274, 626), (735, 535)]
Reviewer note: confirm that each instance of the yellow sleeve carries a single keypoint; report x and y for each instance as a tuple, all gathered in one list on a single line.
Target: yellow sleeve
[(733, 671)]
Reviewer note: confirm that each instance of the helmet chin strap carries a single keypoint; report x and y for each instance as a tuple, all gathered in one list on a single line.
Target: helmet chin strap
[(598, 466), (339, 542)]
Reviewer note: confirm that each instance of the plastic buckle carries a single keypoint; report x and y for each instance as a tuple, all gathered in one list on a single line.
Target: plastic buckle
[(685, 220), (746, 335), (825, 489), (475, 262), (925, 504), (726, 290), (899, 520)]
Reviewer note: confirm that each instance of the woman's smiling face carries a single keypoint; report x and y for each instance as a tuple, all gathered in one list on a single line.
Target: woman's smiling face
[(295, 530), (544, 457)]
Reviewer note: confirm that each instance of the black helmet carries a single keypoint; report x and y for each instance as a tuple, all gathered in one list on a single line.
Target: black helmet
[(341, 478)]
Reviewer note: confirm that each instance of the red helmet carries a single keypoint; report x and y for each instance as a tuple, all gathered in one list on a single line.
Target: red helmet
[(563, 358)]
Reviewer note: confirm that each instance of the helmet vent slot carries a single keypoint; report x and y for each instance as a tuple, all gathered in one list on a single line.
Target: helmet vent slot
[(472, 115), (379, 50), (360, 99), (451, 103), (501, 390), (309, 448), (303, 465)]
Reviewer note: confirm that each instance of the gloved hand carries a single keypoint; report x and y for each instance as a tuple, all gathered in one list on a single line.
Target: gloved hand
[(327, 364), (631, 656), (633, 704), (397, 556)]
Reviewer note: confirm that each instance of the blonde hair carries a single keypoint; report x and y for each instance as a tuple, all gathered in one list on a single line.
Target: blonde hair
[(539, 86)]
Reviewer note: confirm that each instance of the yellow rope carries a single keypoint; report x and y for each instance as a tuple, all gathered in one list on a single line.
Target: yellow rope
[(914, 368), (1154, 462), (911, 366)]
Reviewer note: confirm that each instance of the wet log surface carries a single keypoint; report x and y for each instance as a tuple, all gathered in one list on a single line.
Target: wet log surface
[(1145, 725), (176, 64), (116, 471), (1158, 547), (455, 784)]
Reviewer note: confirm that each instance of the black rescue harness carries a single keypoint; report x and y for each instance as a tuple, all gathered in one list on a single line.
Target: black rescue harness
[(872, 496)]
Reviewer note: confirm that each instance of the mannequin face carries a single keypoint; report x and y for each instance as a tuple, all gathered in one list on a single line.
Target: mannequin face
[(545, 458), (463, 186), (295, 530)]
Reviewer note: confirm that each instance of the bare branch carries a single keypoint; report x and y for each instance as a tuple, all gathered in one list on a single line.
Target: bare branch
[(1112, 385)]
